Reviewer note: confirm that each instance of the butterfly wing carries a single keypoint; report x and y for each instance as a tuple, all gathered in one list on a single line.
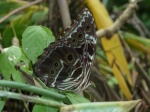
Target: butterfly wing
[(66, 63)]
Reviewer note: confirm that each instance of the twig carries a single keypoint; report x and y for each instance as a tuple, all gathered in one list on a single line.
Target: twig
[(139, 107), (109, 92), (64, 13), (120, 21), (19, 9), (138, 24), (15, 40), (50, 13), (145, 96), (26, 104), (94, 93), (141, 71)]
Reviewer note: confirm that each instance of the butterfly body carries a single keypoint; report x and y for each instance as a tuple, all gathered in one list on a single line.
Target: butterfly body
[(66, 63)]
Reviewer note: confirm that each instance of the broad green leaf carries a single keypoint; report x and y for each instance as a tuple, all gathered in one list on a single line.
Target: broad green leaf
[(75, 98), (49, 33), (9, 58), (122, 106), (40, 108), (26, 62), (35, 39)]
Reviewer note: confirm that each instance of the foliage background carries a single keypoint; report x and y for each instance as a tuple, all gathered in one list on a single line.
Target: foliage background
[(137, 39)]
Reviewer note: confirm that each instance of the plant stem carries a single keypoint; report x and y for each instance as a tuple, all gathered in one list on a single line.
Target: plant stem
[(19, 9), (64, 10), (33, 89), (37, 100)]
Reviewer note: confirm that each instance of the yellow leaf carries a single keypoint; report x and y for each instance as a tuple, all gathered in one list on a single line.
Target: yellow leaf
[(112, 47)]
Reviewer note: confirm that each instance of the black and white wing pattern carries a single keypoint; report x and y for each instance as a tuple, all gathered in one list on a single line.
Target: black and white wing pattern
[(66, 64)]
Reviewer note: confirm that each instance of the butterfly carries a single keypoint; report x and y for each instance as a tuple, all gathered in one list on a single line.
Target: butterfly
[(66, 63)]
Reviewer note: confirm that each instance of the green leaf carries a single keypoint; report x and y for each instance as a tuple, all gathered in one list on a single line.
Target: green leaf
[(141, 40), (75, 98), (6, 6), (40, 108), (9, 58), (17, 76), (2, 103), (35, 39), (120, 106), (49, 33), (39, 16)]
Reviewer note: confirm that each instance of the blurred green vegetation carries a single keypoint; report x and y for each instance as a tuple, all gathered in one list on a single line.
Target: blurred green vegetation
[(25, 26)]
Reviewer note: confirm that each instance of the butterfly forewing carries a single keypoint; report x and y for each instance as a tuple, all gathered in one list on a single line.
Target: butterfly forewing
[(66, 64)]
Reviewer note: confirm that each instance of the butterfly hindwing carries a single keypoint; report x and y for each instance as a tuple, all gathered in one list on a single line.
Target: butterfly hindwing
[(66, 64)]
